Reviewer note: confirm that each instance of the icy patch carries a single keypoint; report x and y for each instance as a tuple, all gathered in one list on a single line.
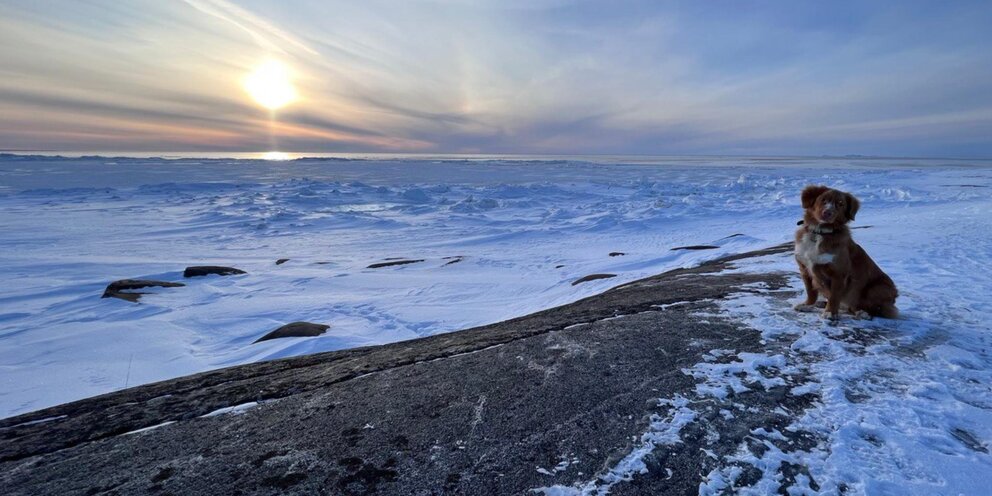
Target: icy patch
[(663, 430), (563, 465), (717, 380), (149, 428), (233, 410), (39, 421)]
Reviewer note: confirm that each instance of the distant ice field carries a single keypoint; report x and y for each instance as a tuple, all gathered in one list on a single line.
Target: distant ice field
[(525, 231)]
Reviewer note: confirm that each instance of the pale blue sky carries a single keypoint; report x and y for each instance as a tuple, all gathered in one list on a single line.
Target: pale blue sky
[(545, 76)]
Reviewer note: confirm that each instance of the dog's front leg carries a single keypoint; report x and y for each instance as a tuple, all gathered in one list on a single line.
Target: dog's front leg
[(811, 293), (837, 291)]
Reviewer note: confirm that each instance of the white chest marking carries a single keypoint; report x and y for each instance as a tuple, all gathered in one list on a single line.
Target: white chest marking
[(808, 251)]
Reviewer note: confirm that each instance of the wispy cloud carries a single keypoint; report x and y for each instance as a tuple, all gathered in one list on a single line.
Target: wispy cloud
[(261, 31)]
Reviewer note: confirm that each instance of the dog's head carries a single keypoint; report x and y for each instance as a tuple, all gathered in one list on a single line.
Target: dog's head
[(829, 206)]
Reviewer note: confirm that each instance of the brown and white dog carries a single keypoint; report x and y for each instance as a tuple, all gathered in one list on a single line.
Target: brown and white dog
[(833, 265)]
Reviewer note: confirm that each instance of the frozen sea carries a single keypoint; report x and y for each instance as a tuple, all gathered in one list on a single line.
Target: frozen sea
[(523, 230)]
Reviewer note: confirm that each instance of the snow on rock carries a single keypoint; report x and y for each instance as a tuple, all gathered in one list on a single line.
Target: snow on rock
[(233, 410)]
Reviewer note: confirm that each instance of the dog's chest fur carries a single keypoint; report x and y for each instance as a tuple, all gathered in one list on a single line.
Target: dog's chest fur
[(808, 251)]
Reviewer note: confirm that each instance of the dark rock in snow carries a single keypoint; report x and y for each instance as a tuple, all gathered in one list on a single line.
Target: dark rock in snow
[(281, 261), (453, 260), (593, 277), (295, 329), (123, 288), (206, 270), (390, 264), (968, 439), (695, 247)]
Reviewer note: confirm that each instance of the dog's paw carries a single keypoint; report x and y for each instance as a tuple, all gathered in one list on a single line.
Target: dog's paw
[(803, 307), (862, 315), (827, 314)]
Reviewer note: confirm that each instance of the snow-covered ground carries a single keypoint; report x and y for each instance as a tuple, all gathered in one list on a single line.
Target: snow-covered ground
[(902, 407), (71, 226)]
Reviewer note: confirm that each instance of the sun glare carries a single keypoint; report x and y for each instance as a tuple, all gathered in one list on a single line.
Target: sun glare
[(279, 156), (270, 86)]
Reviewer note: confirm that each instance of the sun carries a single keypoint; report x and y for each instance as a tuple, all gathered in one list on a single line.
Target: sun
[(270, 86)]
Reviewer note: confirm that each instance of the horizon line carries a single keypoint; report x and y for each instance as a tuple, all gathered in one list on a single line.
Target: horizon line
[(148, 154)]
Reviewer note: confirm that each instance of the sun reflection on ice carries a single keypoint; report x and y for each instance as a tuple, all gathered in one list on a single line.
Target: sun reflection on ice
[(276, 156)]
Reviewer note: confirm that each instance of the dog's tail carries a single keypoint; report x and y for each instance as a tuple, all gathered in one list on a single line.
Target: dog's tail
[(880, 298)]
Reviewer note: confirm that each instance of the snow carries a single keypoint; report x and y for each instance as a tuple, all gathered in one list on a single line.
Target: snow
[(149, 428), (717, 379), (908, 408), (39, 421), (233, 410)]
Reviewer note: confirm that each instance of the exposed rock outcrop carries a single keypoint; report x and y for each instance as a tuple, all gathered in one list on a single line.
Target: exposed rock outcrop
[(124, 288), (206, 270), (295, 329), (392, 263), (592, 277)]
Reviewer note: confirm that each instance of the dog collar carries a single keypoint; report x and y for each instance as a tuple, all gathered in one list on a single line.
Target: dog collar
[(817, 229)]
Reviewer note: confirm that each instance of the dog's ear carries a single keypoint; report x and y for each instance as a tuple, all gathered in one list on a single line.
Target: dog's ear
[(811, 193), (852, 206)]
